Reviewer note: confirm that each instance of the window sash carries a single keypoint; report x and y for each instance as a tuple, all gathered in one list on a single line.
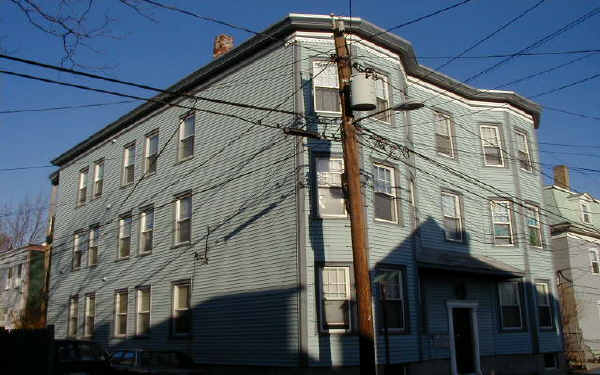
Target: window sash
[(82, 191), (151, 153), (506, 306), (451, 211), (331, 200), (98, 178), (90, 314), (147, 230), (187, 132), (77, 250), (125, 236), (523, 148), (326, 87), (382, 100), (534, 226), (492, 147), (183, 219), (385, 198), (391, 297), (143, 311), (543, 305), (444, 142), (502, 218), (182, 322), (585, 213), (595, 261), (335, 286), (121, 314), (73, 313), (129, 165)]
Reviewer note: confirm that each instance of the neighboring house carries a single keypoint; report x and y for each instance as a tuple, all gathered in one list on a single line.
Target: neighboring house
[(21, 283), (235, 244), (575, 223)]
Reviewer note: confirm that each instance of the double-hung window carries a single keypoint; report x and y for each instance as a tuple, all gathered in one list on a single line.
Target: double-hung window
[(492, 146), (90, 315), (73, 312), (151, 153), (79, 247), (93, 238), (594, 261), (586, 214), (183, 219), (82, 189), (532, 215), (187, 132), (543, 304), (146, 229), (9, 278), (326, 87), (128, 164), (443, 134), (385, 196), (329, 182), (143, 311), (510, 305), (98, 178), (451, 210), (121, 313), (382, 98), (124, 236), (391, 297), (523, 150), (182, 314), (335, 299), (502, 222)]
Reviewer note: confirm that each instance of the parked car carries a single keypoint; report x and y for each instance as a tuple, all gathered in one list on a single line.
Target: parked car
[(139, 361), (81, 358)]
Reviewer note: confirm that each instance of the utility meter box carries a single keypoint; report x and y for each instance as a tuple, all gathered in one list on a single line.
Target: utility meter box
[(363, 92)]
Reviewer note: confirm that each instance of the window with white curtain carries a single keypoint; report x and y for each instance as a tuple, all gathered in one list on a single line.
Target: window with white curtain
[(329, 186), (335, 299), (326, 87)]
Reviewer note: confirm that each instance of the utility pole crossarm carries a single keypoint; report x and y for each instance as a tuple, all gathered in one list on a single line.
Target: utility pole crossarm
[(356, 207)]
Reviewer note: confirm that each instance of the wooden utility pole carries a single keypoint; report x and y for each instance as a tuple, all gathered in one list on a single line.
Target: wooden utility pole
[(356, 207)]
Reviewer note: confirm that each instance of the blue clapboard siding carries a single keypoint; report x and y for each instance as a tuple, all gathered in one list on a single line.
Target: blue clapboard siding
[(245, 299)]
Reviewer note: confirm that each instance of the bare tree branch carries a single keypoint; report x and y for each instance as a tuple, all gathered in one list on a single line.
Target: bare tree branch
[(22, 223)]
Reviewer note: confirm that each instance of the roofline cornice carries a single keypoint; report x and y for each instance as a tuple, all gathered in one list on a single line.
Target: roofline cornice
[(277, 34)]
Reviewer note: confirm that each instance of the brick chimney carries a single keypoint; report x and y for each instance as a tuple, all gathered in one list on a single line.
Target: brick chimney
[(561, 176), (223, 44)]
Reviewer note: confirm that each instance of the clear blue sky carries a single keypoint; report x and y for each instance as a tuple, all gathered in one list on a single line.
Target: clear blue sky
[(160, 53)]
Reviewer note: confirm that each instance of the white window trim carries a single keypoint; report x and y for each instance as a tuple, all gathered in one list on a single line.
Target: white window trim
[(93, 242), (386, 89), (97, 165), (139, 311), (319, 186), (77, 238), (548, 303), (147, 154), (315, 72), (87, 315), (73, 305), (518, 304), (582, 204), (126, 151), (458, 212), (181, 138), (83, 182), (122, 220), (402, 297), (118, 297), (440, 116), (143, 230), (526, 143), (347, 299), (497, 132), (176, 287), (393, 195), (494, 222), (179, 219), (592, 261), (539, 226)]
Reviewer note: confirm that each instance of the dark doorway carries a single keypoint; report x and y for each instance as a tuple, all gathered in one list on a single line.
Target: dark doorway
[(463, 340)]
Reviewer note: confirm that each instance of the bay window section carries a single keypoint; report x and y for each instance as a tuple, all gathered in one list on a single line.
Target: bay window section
[(492, 146)]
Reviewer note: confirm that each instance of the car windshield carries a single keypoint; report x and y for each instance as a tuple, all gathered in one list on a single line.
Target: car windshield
[(78, 351), (165, 360)]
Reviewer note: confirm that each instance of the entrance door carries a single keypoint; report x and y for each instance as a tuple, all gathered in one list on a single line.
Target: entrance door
[(463, 340)]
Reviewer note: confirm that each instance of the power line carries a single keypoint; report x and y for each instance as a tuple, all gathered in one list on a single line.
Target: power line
[(49, 109), (552, 91), (25, 168), (487, 37)]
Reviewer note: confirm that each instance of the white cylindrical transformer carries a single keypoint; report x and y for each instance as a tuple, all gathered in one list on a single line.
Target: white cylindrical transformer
[(363, 92)]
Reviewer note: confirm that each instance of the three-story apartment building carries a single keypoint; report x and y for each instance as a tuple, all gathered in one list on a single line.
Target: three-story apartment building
[(198, 224)]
